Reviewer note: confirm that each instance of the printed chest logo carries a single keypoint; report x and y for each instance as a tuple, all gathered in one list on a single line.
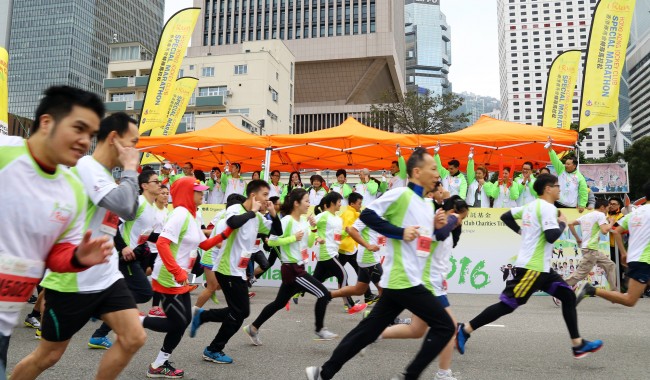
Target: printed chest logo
[(526, 220), (61, 213), (636, 221)]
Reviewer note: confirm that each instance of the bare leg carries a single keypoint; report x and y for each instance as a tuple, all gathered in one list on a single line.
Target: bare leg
[(634, 291), (43, 357), (415, 330), (130, 337), (358, 289), (212, 286)]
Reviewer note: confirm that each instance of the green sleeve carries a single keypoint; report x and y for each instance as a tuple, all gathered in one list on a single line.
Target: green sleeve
[(491, 189), (557, 163), (347, 190), (210, 183), (262, 174), (401, 162), (471, 173), (284, 193), (463, 186), (224, 181), (312, 238), (515, 190), (285, 240), (372, 187), (262, 227), (531, 187), (174, 177), (383, 187), (444, 173), (583, 192)]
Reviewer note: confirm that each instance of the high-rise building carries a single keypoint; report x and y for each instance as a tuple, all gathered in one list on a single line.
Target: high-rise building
[(428, 47), (638, 64), (476, 106), (66, 42), (5, 22), (531, 34), (348, 53)]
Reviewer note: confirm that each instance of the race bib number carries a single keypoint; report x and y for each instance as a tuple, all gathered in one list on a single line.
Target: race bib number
[(444, 285), (304, 254), (243, 260), (424, 243), (109, 224), (337, 238), (18, 278), (381, 240), (144, 236)]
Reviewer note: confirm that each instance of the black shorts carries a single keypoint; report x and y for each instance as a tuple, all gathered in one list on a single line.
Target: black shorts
[(67, 313), (638, 271), (527, 282), (370, 274)]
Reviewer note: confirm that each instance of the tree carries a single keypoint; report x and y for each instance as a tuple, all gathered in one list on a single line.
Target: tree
[(419, 114), (638, 166)]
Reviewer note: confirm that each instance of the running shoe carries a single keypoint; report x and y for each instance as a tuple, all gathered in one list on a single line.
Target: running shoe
[(37, 334), (251, 294), (357, 308), (214, 298), (325, 334), (165, 371), (402, 321), (32, 322), (253, 335), (216, 357), (398, 377), (461, 338), (366, 314), (32, 299), (157, 312), (444, 375), (584, 290), (196, 321), (313, 373), (102, 343), (295, 298), (372, 299), (251, 281), (587, 348)]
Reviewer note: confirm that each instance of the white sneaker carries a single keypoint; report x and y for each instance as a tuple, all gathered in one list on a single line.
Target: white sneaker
[(325, 334), (313, 373), (402, 321), (253, 335), (446, 375), (32, 322)]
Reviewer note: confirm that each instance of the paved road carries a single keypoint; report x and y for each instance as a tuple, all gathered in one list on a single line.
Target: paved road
[(531, 343)]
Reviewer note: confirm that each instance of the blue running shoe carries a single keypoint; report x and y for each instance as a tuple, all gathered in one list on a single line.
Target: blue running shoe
[(461, 338), (587, 348), (196, 322), (216, 357), (102, 343)]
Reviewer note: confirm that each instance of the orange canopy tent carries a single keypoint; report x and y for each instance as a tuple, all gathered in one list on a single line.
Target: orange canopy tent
[(498, 142), (209, 147), (350, 145)]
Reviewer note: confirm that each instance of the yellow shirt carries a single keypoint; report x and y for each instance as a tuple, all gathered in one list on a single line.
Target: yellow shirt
[(349, 216), (617, 217)]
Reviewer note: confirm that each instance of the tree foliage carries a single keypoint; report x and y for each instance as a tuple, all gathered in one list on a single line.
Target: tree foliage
[(419, 114), (637, 157)]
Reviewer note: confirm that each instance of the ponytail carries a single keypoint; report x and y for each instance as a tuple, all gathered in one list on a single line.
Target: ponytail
[(328, 200), (295, 195)]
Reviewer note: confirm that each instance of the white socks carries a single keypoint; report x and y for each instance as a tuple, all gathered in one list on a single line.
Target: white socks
[(161, 359)]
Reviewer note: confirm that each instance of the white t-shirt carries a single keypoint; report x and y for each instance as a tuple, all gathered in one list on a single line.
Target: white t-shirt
[(296, 252), (330, 228), (503, 200), (367, 258), (98, 182), (536, 217), (638, 223), (362, 188), (236, 251), (160, 219), (590, 228), (234, 186), (185, 234), (438, 267), (316, 196), (137, 231), (404, 261), (39, 210)]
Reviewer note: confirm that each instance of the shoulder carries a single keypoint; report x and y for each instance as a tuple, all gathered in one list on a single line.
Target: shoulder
[(11, 141)]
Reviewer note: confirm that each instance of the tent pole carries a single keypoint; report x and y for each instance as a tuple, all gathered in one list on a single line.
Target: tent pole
[(267, 164)]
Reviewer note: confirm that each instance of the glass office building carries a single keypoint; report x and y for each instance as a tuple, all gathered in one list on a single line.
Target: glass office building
[(428, 47), (55, 42)]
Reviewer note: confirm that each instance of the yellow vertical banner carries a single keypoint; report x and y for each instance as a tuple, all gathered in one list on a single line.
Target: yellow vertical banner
[(610, 32), (165, 68), (4, 92), (183, 90), (560, 84)]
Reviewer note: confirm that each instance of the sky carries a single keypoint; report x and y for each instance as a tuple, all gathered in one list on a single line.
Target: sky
[(474, 43)]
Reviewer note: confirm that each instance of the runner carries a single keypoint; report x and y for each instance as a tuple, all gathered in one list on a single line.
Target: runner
[(638, 259), (231, 268), (293, 243), (71, 299), (162, 212), (40, 194), (541, 226), (179, 239), (407, 252), (592, 225)]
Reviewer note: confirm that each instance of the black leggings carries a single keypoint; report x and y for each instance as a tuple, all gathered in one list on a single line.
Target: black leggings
[(352, 260), (564, 294), (178, 308), (304, 283), (333, 268), (273, 257)]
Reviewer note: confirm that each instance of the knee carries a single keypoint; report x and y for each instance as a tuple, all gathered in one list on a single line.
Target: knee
[(50, 358), (629, 301), (133, 341), (241, 314)]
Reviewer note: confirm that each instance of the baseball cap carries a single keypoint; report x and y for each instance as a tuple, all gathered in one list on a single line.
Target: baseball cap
[(168, 166), (198, 186)]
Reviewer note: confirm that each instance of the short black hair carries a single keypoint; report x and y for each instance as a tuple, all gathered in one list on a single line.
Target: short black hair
[(200, 175), (118, 122), (190, 164), (144, 178), (527, 163), (59, 100), (316, 177), (354, 197), (542, 181), (296, 195), (274, 199), (572, 158), (394, 162), (617, 200), (275, 171), (416, 159), (455, 163), (601, 202), (259, 173), (646, 190), (456, 203), (237, 165), (255, 185), (216, 169), (342, 171), (436, 185), (235, 199)]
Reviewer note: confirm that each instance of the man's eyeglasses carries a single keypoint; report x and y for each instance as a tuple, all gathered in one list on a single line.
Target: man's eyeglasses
[(156, 181), (613, 204), (187, 168)]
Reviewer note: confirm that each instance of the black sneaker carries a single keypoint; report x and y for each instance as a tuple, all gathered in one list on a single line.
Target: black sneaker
[(32, 299)]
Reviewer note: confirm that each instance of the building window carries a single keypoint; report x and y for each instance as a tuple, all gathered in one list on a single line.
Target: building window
[(207, 72), (243, 111), (241, 69), (213, 91), (122, 97)]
